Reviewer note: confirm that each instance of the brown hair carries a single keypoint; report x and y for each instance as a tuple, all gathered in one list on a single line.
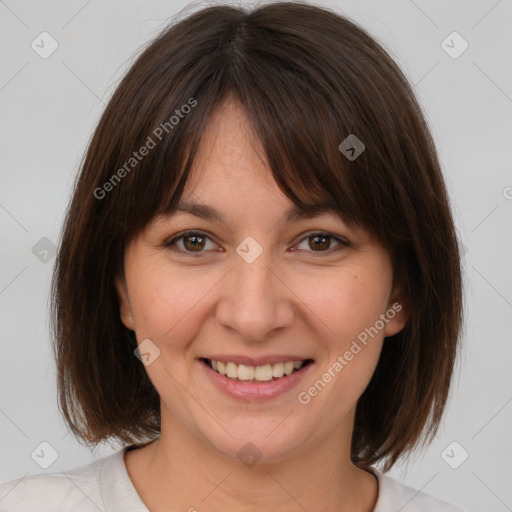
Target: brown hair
[(307, 78)]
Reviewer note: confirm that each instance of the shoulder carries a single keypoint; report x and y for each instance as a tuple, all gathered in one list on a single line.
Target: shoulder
[(395, 495), (76, 490)]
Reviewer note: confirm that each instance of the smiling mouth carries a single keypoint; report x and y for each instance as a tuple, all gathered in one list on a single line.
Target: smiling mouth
[(264, 373)]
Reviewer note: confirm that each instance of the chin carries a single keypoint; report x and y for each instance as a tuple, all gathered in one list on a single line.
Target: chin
[(259, 441)]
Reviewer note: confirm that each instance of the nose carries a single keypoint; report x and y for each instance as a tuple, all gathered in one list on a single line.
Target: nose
[(255, 299)]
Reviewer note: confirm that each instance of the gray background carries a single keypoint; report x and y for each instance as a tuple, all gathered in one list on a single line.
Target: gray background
[(48, 110)]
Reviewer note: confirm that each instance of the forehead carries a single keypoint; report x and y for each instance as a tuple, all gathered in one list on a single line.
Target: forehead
[(230, 168), (291, 214)]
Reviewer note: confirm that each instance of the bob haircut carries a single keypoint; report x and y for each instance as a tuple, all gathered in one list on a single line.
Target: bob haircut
[(307, 78)]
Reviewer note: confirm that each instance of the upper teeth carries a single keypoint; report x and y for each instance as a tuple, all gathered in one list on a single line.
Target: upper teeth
[(261, 373)]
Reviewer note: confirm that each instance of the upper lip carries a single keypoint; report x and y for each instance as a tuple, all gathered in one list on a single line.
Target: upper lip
[(256, 361)]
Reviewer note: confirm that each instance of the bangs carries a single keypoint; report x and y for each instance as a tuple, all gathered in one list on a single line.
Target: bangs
[(298, 112)]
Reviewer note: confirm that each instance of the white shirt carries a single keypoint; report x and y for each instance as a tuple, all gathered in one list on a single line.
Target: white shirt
[(104, 485)]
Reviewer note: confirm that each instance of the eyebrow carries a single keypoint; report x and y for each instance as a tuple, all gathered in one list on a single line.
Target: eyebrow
[(293, 214)]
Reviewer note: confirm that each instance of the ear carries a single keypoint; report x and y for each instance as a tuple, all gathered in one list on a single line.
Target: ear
[(125, 309), (397, 311)]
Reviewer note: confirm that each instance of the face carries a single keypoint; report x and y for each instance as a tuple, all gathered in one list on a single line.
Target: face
[(256, 291)]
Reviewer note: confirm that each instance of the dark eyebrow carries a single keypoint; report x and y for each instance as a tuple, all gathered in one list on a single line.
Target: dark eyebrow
[(293, 214)]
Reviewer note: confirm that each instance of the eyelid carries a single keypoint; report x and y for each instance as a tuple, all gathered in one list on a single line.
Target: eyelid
[(309, 234)]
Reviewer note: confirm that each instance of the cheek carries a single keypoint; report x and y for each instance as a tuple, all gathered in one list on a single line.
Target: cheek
[(344, 304), (352, 378), (347, 315), (167, 306), (360, 326)]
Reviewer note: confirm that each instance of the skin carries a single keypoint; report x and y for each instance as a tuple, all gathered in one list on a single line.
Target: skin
[(306, 302)]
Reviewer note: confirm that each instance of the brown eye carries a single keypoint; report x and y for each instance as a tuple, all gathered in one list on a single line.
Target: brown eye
[(193, 242), (196, 242), (321, 242), (190, 242)]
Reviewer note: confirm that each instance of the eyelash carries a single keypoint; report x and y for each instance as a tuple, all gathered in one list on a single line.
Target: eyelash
[(343, 243)]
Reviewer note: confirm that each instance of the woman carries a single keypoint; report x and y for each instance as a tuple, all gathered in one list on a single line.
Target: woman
[(258, 286)]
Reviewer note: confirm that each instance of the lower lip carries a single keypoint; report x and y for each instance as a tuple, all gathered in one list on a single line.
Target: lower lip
[(255, 391)]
